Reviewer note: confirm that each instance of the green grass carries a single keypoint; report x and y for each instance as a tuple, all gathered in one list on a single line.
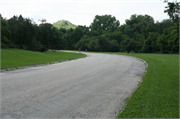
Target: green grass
[(158, 95), (13, 58)]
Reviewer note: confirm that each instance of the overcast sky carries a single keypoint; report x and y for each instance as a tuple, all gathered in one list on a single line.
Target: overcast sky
[(82, 12)]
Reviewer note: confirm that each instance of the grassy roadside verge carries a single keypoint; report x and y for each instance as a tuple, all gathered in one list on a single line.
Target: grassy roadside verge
[(13, 58), (158, 95)]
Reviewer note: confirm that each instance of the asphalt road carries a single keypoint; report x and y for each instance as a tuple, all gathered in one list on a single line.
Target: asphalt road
[(92, 87)]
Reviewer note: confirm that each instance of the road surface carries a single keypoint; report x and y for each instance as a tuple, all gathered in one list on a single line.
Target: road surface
[(92, 87)]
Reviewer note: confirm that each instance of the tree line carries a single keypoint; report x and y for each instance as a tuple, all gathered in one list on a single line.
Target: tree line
[(24, 33), (140, 33)]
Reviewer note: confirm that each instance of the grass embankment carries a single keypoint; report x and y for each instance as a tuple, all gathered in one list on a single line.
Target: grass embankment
[(13, 58), (158, 95)]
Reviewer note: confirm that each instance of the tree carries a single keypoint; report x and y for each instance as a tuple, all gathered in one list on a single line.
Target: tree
[(128, 45), (22, 31), (103, 44), (149, 44), (26, 34), (165, 23), (168, 42), (104, 22), (174, 40), (115, 46), (116, 35), (83, 43), (138, 24), (4, 33), (45, 35), (84, 28), (77, 34), (173, 10), (69, 41), (162, 43), (63, 30), (92, 44), (56, 40)]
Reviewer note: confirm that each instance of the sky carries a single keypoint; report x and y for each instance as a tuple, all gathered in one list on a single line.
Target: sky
[(82, 12)]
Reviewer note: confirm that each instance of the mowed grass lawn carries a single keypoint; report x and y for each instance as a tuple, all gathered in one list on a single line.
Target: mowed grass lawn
[(13, 58), (158, 95)]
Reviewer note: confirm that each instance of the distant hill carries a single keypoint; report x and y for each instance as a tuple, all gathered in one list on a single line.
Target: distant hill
[(64, 24)]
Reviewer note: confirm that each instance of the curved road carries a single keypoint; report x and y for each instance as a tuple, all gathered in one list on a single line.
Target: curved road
[(92, 87)]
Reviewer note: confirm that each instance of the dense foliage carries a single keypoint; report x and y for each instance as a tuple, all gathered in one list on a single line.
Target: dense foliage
[(4, 32), (140, 33), (173, 10), (23, 33)]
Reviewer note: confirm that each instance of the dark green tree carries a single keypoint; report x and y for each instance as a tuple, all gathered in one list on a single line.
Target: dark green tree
[(138, 24), (149, 44), (69, 41), (4, 33), (63, 30), (103, 44), (82, 44), (77, 34), (104, 22), (173, 10), (84, 28), (92, 44), (115, 47), (22, 32), (57, 40), (116, 35), (128, 45), (168, 42), (160, 26)]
